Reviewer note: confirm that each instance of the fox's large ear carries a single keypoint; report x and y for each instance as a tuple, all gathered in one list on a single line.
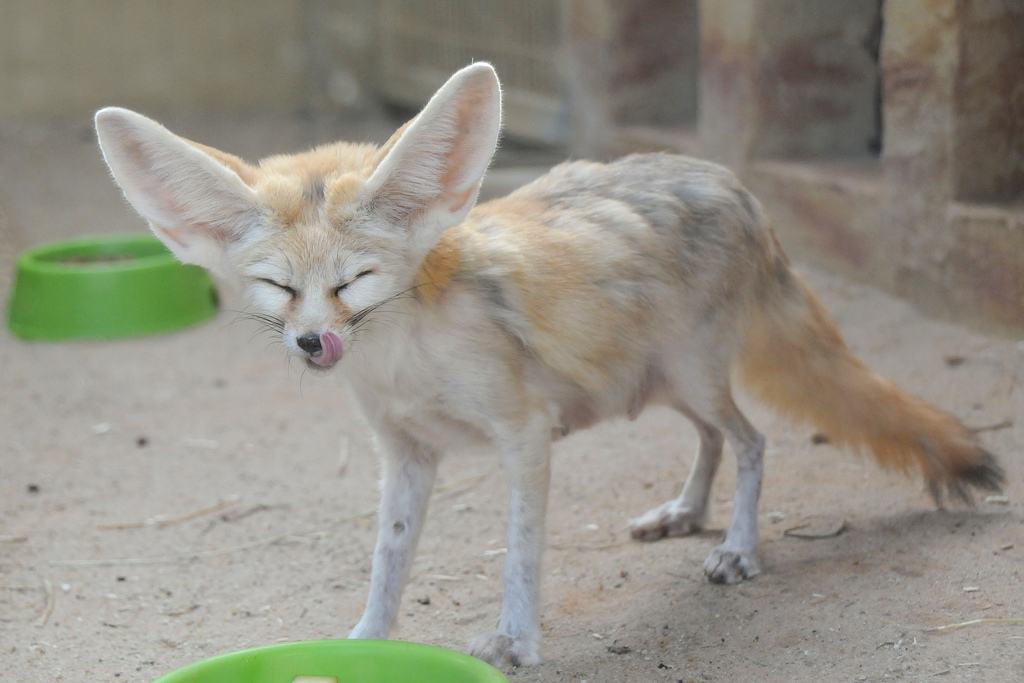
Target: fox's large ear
[(195, 204), (431, 175)]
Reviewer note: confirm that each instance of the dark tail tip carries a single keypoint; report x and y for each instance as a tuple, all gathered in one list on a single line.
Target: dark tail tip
[(986, 475)]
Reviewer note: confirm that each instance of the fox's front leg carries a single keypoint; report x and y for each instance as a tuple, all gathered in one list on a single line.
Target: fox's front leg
[(409, 471), (527, 458)]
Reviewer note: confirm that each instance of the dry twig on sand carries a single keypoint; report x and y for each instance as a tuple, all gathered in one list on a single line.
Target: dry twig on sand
[(973, 622), (166, 520), (199, 554), (582, 547), (459, 484), (794, 532), (1005, 424), (48, 609)]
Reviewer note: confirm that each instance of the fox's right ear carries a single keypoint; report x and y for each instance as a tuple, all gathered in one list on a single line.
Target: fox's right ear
[(196, 205)]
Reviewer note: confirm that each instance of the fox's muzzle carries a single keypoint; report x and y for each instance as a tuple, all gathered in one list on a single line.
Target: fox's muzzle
[(324, 349)]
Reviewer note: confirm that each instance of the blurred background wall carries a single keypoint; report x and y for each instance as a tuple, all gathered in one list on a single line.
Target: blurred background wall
[(65, 58), (885, 137)]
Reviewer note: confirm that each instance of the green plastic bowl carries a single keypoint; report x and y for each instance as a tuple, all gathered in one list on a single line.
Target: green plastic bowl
[(349, 661), (105, 288)]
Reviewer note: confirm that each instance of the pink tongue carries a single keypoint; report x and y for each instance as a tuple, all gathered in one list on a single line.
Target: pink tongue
[(332, 350)]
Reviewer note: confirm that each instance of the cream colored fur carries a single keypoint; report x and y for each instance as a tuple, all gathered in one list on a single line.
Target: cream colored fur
[(588, 294)]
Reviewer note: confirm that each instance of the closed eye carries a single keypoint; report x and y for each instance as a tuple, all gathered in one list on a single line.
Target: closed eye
[(341, 288), (290, 291)]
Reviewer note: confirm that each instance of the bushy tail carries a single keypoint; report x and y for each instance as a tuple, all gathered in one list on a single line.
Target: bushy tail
[(794, 360)]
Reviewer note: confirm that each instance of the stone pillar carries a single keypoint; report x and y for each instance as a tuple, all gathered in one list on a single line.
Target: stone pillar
[(983, 272), (954, 154), (629, 62), (988, 128), (729, 118), (588, 64), (919, 63), (785, 79)]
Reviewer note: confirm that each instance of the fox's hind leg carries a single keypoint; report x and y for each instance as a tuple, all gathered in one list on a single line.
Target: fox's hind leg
[(700, 390), (685, 514), (736, 559)]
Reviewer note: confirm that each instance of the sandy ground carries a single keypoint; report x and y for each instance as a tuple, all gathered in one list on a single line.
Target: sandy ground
[(168, 498)]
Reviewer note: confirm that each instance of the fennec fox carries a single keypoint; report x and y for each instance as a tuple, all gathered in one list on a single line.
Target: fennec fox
[(588, 294)]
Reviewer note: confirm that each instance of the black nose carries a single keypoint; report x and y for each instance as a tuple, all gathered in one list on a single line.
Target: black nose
[(310, 343)]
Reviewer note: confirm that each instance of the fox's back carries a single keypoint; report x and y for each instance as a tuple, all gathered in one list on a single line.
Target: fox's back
[(596, 250), (595, 266), (642, 221)]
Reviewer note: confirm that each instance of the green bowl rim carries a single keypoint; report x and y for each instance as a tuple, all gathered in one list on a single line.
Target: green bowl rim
[(107, 279), (386, 647), (35, 258)]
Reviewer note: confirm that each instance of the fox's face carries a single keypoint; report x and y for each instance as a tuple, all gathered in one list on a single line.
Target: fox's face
[(320, 283), (320, 241)]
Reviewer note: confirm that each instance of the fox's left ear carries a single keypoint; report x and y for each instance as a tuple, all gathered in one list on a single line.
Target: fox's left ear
[(430, 177)]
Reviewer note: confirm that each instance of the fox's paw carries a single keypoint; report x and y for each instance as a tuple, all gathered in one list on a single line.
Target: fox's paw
[(500, 649), (670, 519), (366, 629), (729, 565)]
